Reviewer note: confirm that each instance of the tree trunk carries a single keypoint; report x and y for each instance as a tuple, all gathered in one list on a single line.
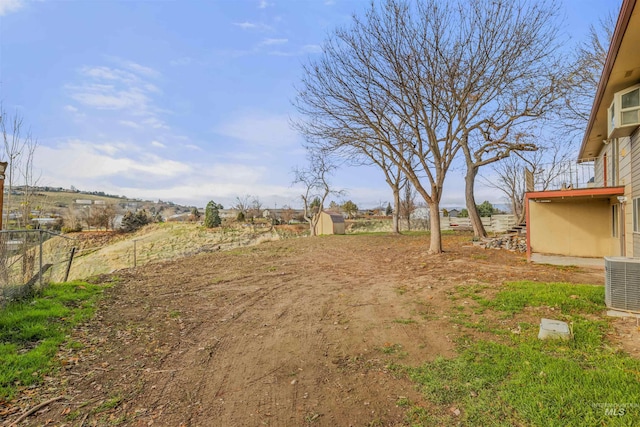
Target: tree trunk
[(312, 227), (474, 215), (435, 246), (396, 210)]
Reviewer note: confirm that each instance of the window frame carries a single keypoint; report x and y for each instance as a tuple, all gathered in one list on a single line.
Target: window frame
[(636, 214)]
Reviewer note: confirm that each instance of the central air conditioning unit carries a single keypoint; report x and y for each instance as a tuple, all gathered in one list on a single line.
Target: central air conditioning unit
[(622, 283), (624, 112)]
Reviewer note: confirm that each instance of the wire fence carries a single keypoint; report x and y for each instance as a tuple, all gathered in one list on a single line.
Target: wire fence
[(26, 267)]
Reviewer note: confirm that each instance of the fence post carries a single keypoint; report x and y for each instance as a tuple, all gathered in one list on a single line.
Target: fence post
[(66, 274), (41, 274)]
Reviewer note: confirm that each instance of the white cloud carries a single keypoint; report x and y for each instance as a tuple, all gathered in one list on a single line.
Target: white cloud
[(271, 42), (155, 123), (8, 6), (158, 144), (185, 60), (113, 168), (260, 129), (263, 4), (109, 149), (130, 123), (70, 108), (306, 49), (311, 48), (246, 25), (109, 98), (134, 67), (90, 164), (126, 89)]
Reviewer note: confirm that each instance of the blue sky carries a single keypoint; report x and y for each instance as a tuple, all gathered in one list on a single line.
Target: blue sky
[(183, 100)]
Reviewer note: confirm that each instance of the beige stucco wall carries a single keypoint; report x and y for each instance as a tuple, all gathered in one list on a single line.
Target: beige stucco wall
[(581, 229), (619, 156), (633, 238), (624, 160)]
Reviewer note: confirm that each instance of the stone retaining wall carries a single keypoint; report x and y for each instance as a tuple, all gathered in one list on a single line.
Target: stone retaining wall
[(510, 242)]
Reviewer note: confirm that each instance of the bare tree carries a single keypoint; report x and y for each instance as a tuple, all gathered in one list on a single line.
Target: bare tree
[(582, 83), (103, 216), (546, 165), (71, 220), (372, 153), (501, 77), (28, 177), (316, 186), (18, 150), (243, 203), (255, 209), (287, 214), (416, 82), (374, 90), (408, 204), (550, 163)]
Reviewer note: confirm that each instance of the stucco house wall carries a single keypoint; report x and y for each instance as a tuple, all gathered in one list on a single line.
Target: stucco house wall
[(581, 228)]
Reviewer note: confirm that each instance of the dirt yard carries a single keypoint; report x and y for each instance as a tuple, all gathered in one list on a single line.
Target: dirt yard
[(288, 333)]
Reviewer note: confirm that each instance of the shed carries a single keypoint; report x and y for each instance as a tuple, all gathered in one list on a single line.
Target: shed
[(330, 223)]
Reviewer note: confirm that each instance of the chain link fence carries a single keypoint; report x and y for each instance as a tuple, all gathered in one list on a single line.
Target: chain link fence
[(27, 264)]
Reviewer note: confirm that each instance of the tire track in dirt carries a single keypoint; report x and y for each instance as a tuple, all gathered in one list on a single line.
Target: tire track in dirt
[(288, 333)]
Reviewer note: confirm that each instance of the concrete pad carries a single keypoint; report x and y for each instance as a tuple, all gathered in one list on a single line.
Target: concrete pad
[(550, 328), (618, 313), (568, 260)]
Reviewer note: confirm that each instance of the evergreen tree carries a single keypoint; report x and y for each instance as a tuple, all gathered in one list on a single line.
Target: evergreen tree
[(212, 215), (133, 221), (389, 210), (486, 209)]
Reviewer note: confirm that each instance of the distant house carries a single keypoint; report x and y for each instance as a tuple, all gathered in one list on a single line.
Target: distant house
[(453, 213), (330, 223), (600, 216)]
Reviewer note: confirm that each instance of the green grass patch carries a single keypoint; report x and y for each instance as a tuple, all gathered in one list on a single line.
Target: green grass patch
[(109, 404), (31, 332), (521, 380), (569, 298), (400, 290)]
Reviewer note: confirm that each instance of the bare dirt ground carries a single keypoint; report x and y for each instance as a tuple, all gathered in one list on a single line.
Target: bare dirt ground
[(288, 333)]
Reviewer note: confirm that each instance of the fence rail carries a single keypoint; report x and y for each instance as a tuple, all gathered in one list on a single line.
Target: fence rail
[(24, 266), (494, 223)]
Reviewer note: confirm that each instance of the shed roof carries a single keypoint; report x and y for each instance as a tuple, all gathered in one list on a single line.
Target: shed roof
[(335, 217)]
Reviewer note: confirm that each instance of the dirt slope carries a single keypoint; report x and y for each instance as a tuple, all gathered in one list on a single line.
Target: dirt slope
[(288, 333)]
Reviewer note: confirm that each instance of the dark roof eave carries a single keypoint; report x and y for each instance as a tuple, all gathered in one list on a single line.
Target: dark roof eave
[(616, 41)]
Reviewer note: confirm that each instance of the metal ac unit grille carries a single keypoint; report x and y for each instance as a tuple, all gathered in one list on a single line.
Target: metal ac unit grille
[(622, 283)]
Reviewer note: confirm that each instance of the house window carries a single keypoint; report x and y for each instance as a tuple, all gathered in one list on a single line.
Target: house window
[(636, 215), (614, 220)]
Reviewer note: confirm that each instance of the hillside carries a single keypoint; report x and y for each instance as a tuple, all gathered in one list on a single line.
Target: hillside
[(101, 252)]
